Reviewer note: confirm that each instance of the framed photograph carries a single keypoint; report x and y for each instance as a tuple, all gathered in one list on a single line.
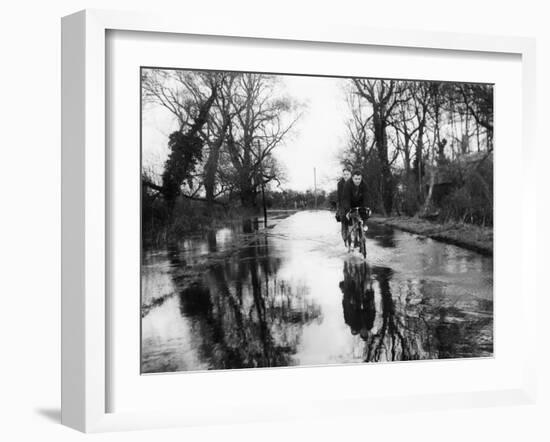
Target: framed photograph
[(278, 222)]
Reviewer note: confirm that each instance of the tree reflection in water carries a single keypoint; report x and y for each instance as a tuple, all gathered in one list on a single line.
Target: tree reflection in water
[(418, 322), (238, 297), (242, 315)]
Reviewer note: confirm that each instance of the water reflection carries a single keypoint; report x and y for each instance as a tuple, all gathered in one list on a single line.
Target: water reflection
[(412, 325), (382, 235), (358, 300), (240, 314), (239, 297)]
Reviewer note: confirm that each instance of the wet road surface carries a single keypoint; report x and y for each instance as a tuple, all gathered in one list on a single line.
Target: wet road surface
[(244, 296)]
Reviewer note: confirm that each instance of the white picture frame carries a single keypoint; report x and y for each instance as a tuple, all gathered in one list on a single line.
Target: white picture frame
[(85, 196)]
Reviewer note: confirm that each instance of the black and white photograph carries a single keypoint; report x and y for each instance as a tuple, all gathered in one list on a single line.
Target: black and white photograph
[(275, 220), (304, 220)]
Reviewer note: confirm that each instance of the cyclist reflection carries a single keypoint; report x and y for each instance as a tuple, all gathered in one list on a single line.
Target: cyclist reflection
[(358, 299)]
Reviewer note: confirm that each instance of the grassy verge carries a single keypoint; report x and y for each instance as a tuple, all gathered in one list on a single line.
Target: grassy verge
[(191, 218), (468, 236)]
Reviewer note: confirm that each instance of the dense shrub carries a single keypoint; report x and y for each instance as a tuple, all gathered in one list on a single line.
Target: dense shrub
[(471, 200)]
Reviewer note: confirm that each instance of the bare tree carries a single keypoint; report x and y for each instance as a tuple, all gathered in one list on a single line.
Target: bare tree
[(215, 137), (383, 97), (360, 142), (262, 121), (478, 98), (190, 98), (420, 92)]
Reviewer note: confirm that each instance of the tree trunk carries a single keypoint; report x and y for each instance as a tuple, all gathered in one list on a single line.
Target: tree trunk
[(382, 149), (407, 152), (247, 187), (248, 196), (433, 163), (211, 166), (418, 163)]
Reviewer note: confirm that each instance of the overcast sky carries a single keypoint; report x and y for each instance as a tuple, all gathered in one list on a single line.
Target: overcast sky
[(315, 142)]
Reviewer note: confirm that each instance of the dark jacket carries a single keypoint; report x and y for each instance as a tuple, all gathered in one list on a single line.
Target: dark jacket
[(354, 196), (340, 192)]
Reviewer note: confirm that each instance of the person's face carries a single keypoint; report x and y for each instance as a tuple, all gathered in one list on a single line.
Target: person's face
[(356, 179), (347, 175)]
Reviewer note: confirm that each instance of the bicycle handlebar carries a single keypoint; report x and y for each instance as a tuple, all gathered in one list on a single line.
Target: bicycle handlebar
[(357, 210)]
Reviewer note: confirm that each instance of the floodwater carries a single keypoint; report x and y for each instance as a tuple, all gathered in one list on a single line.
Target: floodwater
[(290, 294)]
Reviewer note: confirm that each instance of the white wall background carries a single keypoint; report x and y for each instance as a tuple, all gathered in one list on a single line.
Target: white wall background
[(30, 216)]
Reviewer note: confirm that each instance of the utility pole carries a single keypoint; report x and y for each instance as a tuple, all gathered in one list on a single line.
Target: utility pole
[(315, 186)]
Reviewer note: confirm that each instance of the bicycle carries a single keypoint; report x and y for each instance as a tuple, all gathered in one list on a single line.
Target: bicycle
[(356, 235)]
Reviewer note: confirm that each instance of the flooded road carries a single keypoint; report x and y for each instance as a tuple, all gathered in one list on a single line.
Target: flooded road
[(245, 296)]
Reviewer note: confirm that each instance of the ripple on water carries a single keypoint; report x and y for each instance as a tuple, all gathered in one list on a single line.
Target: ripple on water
[(292, 295)]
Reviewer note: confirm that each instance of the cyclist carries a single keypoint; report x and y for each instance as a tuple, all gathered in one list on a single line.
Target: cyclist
[(355, 195), (340, 214)]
